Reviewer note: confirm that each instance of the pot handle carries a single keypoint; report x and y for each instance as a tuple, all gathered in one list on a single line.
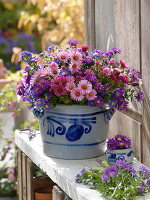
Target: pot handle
[(38, 112), (108, 114)]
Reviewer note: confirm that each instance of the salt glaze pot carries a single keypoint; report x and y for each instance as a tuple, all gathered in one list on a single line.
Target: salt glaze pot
[(74, 131)]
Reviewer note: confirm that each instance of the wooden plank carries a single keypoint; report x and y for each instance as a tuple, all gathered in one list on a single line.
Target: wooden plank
[(19, 165), (122, 124), (127, 30), (104, 24), (145, 58), (29, 179), (89, 16), (24, 176)]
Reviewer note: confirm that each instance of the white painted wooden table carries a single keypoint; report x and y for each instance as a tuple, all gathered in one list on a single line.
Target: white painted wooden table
[(63, 172)]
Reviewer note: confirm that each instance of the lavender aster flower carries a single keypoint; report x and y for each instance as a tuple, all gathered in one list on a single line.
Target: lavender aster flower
[(73, 43), (24, 56), (51, 47), (123, 105), (104, 177), (116, 50), (91, 78), (65, 72), (148, 181), (113, 104), (142, 188), (99, 101), (39, 102), (139, 96), (119, 142)]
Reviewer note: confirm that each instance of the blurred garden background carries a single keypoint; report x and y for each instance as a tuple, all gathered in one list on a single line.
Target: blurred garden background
[(31, 25)]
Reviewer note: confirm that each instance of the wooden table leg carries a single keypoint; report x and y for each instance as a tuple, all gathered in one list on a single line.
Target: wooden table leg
[(19, 165), (25, 186)]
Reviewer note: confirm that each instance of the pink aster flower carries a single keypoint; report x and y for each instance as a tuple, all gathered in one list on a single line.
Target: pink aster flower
[(76, 57), (123, 64), (77, 94), (70, 78), (85, 86), (54, 71), (75, 67), (124, 78), (63, 55), (59, 90), (39, 73), (53, 65), (55, 82), (91, 95), (107, 71), (89, 72), (70, 86)]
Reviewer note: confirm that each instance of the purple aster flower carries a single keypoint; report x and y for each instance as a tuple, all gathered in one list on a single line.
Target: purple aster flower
[(121, 164), (91, 78), (27, 68), (113, 103), (107, 87), (65, 72), (112, 144), (135, 76), (104, 177), (145, 170), (30, 105), (33, 59), (51, 47), (95, 54), (142, 188), (73, 43), (108, 53), (59, 62), (24, 56), (39, 102), (89, 61), (27, 78), (28, 95), (116, 50), (123, 105), (99, 101), (47, 96), (139, 96), (91, 103), (82, 171), (99, 87), (118, 93), (110, 171), (77, 180), (47, 106), (119, 142), (148, 182)]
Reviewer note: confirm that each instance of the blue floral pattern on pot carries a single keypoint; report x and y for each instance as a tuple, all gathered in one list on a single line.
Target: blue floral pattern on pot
[(74, 132), (119, 154)]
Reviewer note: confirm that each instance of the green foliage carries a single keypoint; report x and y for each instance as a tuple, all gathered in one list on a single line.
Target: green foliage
[(122, 185)]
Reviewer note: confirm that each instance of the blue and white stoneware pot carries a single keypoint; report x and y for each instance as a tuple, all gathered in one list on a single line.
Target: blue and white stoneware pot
[(119, 154), (74, 132)]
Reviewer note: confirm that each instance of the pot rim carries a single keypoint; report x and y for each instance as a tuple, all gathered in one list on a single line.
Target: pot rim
[(119, 150)]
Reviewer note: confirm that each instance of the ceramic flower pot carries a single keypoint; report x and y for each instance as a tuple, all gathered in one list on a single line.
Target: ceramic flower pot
[(119, 154), (43, 194), (74, 132)]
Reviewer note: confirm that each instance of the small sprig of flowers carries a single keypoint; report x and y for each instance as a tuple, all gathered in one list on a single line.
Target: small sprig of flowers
[(77, 76), (119, 142), (120, 181)]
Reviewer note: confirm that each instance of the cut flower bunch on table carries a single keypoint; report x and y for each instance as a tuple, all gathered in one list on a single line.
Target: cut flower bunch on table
[(76, 75), (118, 182)]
